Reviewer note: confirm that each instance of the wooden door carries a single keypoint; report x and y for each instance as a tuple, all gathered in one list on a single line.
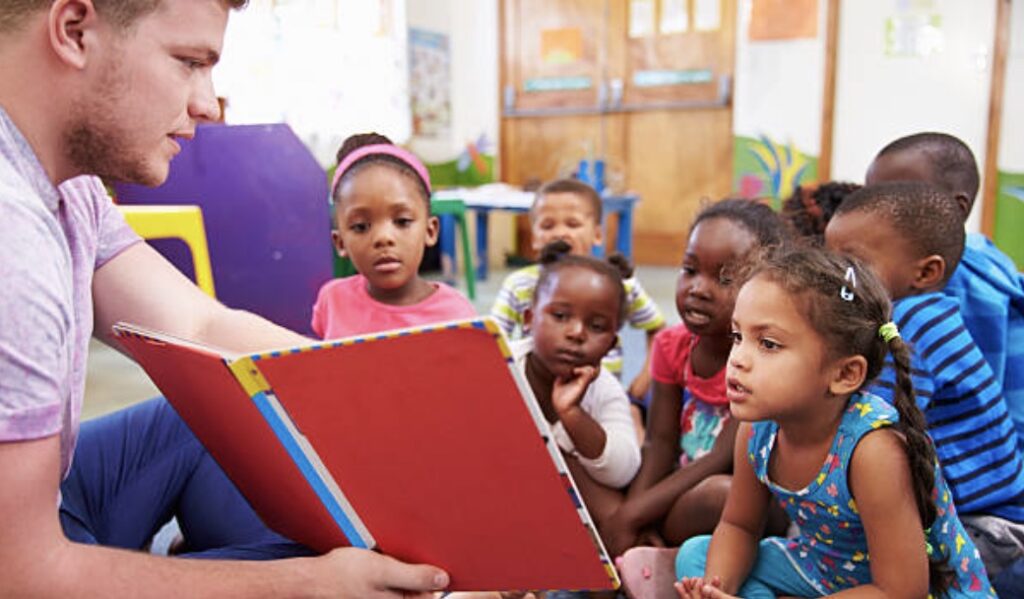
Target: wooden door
[(654, 105)]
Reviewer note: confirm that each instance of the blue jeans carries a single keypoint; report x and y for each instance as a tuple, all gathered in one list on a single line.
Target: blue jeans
[(135, 469), (773, 572)]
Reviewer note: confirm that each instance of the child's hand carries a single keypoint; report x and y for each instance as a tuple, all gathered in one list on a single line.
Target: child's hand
[(567, 393), (702, 588)]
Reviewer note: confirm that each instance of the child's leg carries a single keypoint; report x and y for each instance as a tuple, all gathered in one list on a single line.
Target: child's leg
[(601, 501), (773, 573), (697, 511)]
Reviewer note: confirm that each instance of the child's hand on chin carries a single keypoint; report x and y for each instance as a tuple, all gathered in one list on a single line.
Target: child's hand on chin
[(567, 392), (699, 588)]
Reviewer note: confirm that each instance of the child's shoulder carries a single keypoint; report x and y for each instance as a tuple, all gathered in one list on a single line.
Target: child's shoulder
[(985, 269), (926, 312), (526, 276), (343, 286)]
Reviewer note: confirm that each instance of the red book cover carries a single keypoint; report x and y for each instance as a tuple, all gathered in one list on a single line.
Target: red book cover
[(426, 444)]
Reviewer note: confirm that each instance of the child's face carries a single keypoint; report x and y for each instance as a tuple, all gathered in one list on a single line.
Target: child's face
[(383, 226), (566, 216), (574, 320), (874, 241), (704, 296), (777, 368)]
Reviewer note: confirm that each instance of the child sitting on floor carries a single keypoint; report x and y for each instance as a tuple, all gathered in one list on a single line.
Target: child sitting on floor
[(570, 210), (912, 236), (687, 454), (381, 196), (572, 322), (856, 474)]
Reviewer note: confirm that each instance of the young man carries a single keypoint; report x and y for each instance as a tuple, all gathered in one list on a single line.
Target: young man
[(106, 87)]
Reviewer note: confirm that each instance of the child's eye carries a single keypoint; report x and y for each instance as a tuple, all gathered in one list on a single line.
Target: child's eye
[(689, 270), (404, 222), (359, 227), (559, 315), (770, 345), (598, 327), (736, 337)]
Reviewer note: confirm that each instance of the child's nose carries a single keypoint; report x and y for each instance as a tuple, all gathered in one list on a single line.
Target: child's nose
[(575, 330), (385, 235)]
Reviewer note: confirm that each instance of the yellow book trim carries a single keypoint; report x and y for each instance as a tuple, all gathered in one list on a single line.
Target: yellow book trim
[(249, 376)]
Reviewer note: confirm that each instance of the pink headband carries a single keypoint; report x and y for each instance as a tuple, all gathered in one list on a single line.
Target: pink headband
[(387, 149)]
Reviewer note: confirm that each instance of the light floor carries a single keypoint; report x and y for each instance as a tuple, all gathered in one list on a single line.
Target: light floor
[(113, 381)]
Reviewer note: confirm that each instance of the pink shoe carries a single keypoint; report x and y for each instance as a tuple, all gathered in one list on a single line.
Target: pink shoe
[(648, 572)]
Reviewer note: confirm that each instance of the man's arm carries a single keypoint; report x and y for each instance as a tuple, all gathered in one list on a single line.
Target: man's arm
[(36, 560), (141, 287)]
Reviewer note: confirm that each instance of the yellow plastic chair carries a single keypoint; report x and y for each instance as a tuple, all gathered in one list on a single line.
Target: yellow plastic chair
[(183, 222)]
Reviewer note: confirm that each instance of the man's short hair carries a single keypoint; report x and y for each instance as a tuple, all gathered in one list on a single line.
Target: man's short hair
[(923, 214), (122, 13), (952, 163), (573, 186)]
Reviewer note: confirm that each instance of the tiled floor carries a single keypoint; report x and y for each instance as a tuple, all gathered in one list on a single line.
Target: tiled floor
[(113, 381)]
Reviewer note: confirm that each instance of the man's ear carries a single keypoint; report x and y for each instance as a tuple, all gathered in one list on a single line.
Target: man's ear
[(339, 245), (71, 27), (931, 270), (848, 375)]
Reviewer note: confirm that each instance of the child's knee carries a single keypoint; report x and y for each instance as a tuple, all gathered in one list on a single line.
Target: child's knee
[(692, 557)]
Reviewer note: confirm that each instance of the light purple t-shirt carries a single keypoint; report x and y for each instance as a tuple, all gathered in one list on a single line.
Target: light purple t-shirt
[(51, 242)]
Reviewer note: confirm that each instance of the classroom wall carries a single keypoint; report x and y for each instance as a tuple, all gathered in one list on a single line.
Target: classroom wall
[(905, 67), (1010, 202), (465, 152), (779, 88)]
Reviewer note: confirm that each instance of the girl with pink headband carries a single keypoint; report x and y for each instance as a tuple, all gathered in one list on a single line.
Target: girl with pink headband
[(381, 198)]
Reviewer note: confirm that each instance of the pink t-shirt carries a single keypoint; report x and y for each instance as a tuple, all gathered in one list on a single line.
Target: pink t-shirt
[(344, 308), (705, 406), (51, 242)]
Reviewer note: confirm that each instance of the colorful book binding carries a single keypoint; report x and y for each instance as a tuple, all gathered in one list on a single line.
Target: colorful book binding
[(426, 444)]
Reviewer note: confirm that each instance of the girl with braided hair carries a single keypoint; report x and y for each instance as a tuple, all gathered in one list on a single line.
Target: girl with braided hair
[(856, 474)]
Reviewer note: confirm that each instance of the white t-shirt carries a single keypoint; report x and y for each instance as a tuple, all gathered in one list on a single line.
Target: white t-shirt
[(606, 402)]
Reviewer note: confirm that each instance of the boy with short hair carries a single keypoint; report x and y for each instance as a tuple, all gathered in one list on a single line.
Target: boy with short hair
[(912, 236), (570, 210), (987, 283)]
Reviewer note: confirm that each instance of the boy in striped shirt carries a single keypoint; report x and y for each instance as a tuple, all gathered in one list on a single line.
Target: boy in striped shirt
[(911, 234)]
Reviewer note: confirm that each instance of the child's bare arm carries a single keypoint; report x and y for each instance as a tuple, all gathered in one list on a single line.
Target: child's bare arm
[(642, 381), (733, 547), (661, 444), (880, 481)]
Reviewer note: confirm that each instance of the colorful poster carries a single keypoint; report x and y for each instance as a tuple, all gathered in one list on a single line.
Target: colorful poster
[(561, 46), (641, 18), (675, 17), (783, 20), (430, 83)]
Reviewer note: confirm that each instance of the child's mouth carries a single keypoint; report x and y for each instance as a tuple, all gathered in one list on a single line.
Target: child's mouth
[(696, 317), (734, 391), (387, 265)]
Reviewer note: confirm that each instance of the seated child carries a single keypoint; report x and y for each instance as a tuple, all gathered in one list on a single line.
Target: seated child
[(570, 210), (572, 321), (687, 455), (809, 209), (987, 282), (911, 234), (381, 196), (856, 474)]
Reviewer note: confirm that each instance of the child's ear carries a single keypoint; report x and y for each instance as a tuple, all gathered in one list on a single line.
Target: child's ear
[(527, 319), (598, 234), (965, 204), (433, 228), (930, 272), (848, 375), (339, 245)]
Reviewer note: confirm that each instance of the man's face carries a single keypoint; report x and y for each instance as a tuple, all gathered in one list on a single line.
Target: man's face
[(149, 86)]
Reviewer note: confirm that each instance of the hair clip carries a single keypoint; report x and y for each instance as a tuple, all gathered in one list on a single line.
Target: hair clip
[(851, 278)]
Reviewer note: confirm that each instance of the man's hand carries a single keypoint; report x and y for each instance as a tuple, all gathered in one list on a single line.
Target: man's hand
[(358, 573)]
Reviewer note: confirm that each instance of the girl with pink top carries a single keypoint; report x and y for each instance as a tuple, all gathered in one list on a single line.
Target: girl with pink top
[(381, 196)]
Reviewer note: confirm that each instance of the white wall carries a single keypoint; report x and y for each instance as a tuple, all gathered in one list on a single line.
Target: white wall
[(328, 68), (779, 85), (472, 29), (1011, 138), (880, 97)]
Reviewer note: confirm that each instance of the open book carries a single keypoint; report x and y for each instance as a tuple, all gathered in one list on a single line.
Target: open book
[(424, 443)]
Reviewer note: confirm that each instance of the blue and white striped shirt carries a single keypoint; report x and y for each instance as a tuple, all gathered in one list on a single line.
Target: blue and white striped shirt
[(968, 420)]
